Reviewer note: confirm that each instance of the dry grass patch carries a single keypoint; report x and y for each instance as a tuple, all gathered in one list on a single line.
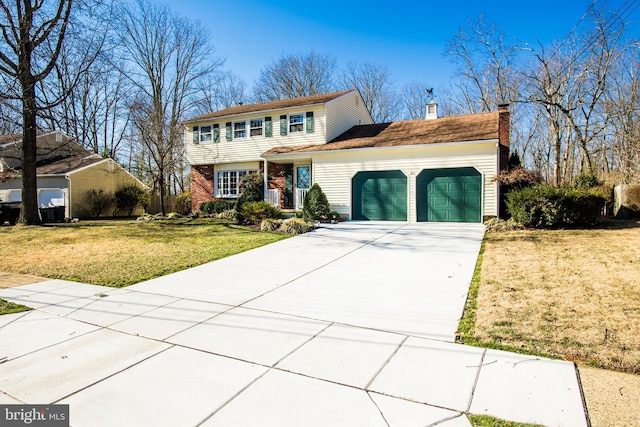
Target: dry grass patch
[(120, 253), (573, 294)]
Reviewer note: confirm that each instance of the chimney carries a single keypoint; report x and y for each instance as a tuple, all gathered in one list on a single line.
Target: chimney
[(432, 111), (504, 130)]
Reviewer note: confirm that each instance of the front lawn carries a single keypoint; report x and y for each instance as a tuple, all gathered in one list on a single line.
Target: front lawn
[(122, 252), (571, 294)]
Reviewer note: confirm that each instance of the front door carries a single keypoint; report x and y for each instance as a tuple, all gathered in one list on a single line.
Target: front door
[(303, 182)]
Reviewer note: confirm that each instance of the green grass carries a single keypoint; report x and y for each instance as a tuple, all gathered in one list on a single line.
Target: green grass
[(488, 421), (122, 252), (9, 307)]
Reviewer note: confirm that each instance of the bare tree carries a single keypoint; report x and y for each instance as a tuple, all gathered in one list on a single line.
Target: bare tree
[(32, 37), (295, 75), (414, 98), (166, 57), (375, 85), (219, 91), (486, 74)]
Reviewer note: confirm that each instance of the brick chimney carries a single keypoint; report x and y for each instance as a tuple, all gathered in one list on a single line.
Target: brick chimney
[(504, 130)]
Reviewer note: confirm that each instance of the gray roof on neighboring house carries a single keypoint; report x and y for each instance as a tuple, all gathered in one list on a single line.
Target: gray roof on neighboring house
[(52, 158), (473, 127), (272, 105)]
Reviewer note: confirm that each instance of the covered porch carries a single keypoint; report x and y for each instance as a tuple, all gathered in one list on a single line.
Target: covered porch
[(287, 182)]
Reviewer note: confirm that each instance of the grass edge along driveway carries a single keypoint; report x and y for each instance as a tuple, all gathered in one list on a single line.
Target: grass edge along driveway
[(120, 253)]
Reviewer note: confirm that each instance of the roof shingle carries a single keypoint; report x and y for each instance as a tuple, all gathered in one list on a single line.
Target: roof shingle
[(272, 105), (473, 127)]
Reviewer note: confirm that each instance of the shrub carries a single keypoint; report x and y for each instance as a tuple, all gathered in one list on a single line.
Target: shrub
[(497, 224), (129, 197), (315, 205), (255, 212), (270, 224), (217, 206), (95, 203), (588, 179), (633, 198), (544, 206), (229, 214), (183, 203), (251, 188), (295, 226), (518, 178)]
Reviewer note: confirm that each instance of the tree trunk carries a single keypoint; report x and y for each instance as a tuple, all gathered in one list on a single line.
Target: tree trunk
[(29, 214)]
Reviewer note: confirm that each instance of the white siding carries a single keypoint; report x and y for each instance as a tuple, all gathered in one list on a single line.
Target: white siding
[(250, 149), (333, 171), (344, 113)]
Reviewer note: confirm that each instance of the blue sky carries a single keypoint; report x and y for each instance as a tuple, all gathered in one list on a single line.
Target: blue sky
[(406, 37)]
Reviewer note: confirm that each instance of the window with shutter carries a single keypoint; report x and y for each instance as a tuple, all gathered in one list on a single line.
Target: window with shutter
[(296, 123)]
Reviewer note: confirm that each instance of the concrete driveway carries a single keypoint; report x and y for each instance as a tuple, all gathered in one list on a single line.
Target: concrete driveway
[(350, 325)]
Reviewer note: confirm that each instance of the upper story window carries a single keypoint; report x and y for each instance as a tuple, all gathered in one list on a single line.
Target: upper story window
[(239, 130), (296, 123), (206, 134), (256, 127)]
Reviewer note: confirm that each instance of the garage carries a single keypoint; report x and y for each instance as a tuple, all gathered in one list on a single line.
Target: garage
[(379, 196), (449, 195)]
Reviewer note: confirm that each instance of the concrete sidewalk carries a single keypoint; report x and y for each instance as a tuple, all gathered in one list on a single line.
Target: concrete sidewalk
[(349, 325)]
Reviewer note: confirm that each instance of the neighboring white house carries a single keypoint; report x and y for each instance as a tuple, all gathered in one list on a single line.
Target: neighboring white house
[(435, 169)]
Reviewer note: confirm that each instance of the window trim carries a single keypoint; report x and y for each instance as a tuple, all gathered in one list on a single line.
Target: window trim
[(251, 128), (301, 123), (220, 187), (202, 134), (244, 129)]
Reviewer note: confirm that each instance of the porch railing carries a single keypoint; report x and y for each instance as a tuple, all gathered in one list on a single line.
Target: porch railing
[(273, 196), (301, 193)]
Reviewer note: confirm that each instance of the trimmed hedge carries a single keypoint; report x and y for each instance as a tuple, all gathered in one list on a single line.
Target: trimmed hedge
[(217, 206), (543, 206)]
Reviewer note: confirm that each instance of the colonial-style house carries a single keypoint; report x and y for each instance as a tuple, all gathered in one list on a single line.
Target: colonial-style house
[(65, 173), (434, 169)]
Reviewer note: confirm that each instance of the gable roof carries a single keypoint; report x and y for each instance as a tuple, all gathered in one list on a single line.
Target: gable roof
[(52, 157), (272, 105), (473, 127)]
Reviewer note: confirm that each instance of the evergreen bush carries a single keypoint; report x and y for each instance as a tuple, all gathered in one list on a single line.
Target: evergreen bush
[(255, 212), (544, 206), (182, 204), (315, 206), (129, 197)]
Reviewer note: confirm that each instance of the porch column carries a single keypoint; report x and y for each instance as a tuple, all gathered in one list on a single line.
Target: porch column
[(266, 182)]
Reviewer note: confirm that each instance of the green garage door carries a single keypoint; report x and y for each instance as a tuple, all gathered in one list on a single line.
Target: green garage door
[(380, 195), (449, 195)]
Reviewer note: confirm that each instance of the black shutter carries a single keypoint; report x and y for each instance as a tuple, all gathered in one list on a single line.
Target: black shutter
[(196, 136), (283, 125)]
